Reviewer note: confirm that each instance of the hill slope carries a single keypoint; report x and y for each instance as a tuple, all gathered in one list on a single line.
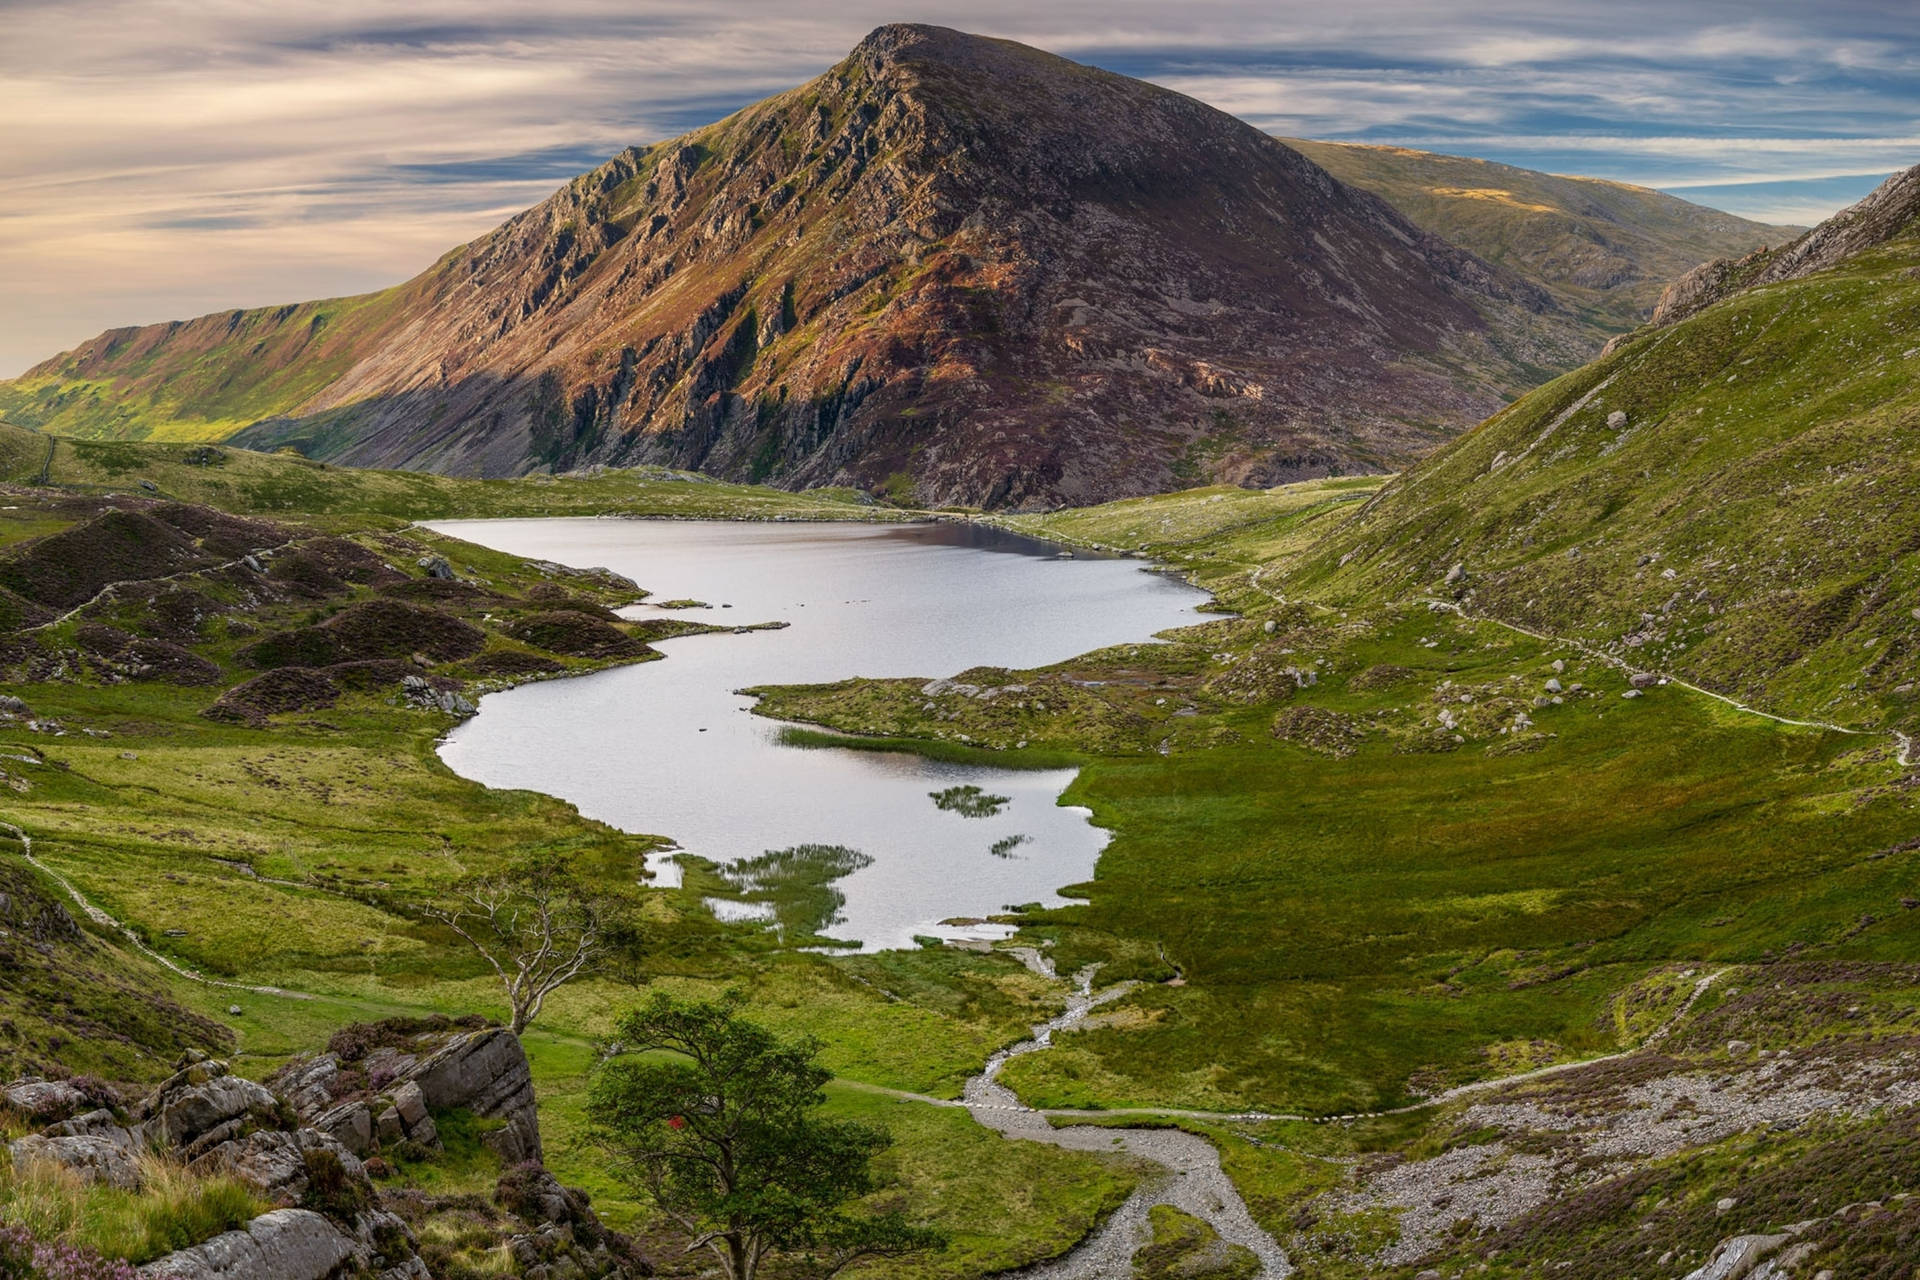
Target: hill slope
[(953, 266), (1734, 497), (1605, 250)]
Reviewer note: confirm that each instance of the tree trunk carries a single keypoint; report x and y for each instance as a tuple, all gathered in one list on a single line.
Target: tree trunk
[(739, 1258)]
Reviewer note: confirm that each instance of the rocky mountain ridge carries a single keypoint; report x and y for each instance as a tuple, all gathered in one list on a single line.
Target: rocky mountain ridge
[(1888, 210), (951, 270)]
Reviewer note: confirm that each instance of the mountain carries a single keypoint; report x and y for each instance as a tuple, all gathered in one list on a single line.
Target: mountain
[(1604, 250), (952, 268), (1733, 496)]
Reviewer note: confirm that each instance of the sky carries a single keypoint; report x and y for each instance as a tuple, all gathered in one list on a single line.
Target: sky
[(160, 159)]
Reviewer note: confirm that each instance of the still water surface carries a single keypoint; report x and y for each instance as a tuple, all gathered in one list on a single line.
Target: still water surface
[(669, 747)]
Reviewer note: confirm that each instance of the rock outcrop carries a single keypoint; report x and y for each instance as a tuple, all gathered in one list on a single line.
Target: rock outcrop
[(291, 1244), (1890, 209), (373, 1096)]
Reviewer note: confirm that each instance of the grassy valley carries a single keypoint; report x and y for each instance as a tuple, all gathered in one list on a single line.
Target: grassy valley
[(1517, 876)]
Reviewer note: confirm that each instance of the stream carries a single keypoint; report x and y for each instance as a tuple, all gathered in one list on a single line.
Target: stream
[(1189, 1176)]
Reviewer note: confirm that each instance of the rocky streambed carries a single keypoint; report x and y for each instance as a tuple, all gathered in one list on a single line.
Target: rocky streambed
[(1187, 1173)]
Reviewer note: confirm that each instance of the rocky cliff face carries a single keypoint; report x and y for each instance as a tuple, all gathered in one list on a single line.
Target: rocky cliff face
[(951, 268), (1884, 214)]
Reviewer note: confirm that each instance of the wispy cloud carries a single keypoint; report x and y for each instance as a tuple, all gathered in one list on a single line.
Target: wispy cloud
[(160, 158)]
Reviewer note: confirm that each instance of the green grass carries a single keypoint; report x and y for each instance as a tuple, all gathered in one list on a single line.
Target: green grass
[(1420, 912), (246, 482), (173, 1209), (1751, 527)]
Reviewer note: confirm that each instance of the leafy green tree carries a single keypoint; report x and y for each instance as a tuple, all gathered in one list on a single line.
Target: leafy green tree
[(723, 1131)]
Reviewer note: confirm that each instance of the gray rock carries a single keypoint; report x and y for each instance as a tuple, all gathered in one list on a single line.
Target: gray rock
[(287, 1244), (437, 567), (1643, 679), (1553, 686), (1616, 420), (1736, 1258), (1631, 693), (193, 1117), (485, 1072), (94, 1157), (15, 707), (305, 1085), (1456, 573), (412, 1108), (44, 1100), (96, 1124), (454, 704), (1738, 1048), (350, 1124), (274, 1161)]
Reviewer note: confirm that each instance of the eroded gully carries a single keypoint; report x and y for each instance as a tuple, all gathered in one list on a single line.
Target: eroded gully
[(1188, 1174)]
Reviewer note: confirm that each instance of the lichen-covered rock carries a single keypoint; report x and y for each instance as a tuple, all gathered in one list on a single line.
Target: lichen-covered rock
[(95, 1158), (274, 1161), (287, 1244), (485, 1072), (202, 1107), (43, 1100), (350, 1124)]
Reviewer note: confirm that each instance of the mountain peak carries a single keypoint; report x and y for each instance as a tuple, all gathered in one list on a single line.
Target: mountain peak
[(952, 268)]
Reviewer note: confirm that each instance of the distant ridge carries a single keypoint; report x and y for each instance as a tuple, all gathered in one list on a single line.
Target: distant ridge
[(1604, 250)]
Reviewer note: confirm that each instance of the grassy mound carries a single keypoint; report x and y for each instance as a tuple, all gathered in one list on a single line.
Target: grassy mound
[(576, 635), (70, 567), (372, 629)]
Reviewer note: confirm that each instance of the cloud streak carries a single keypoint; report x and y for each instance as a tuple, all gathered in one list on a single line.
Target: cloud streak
[(161, 158)]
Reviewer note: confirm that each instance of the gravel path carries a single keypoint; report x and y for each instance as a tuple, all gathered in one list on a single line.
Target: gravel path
[(1189, 1177)]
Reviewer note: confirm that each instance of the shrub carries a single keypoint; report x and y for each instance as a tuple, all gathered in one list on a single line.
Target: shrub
[(24, 1258), (330, 1189)]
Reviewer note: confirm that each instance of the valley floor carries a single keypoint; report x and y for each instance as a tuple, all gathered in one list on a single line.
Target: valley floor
[(1363, 861)]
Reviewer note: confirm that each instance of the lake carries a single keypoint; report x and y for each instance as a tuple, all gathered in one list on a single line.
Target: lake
[(669, 748)]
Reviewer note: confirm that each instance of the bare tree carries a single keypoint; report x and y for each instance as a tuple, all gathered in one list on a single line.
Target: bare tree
[(535, 924)]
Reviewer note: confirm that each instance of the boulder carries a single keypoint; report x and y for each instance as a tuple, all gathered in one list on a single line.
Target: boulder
[(1616, 420), (437, 567), (287, 1244), (1736, 1258), (101, 1124), (94, 1157), (191, 1118), (1643, 679), (350, 1124), (43, 1100), (485, 1072), (274, 1161)]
